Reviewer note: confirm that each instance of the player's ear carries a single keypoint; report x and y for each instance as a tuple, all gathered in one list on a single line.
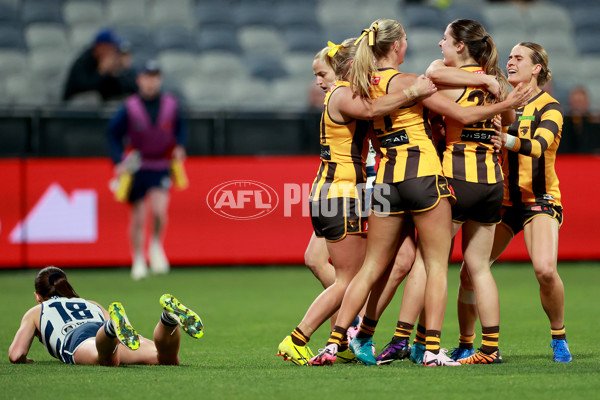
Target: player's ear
[(38, 298)]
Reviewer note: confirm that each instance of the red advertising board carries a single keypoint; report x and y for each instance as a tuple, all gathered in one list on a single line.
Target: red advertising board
[(237, 210)]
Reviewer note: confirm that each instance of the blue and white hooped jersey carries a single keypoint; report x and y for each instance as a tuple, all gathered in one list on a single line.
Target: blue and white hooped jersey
[(60, 316), (371, 173)]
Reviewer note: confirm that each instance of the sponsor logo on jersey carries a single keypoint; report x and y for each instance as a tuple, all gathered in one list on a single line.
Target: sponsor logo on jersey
[(548, 197), (242, 200), (69, 327), (526, 117)]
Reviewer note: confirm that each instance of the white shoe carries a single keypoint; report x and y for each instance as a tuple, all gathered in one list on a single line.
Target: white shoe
[(439, 360), (158, 261), (139, 270)]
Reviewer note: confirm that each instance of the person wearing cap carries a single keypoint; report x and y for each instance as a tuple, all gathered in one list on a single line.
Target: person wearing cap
[(99, 69), (150, 123)]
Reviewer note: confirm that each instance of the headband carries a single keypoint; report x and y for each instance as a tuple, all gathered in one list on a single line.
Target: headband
[(371, 35), (485, 38), (334, 49)]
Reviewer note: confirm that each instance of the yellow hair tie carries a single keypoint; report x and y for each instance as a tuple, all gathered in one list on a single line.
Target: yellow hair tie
[(334, 49), (371, 35)]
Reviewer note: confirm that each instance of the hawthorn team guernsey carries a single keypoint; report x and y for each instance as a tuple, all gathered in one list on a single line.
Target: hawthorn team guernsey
[(404, 138), (470, 154), (344, 147), (59, 317), (529, 166), (154, 141)]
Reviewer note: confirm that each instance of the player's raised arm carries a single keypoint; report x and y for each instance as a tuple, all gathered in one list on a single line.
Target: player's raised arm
[(444, 75), (17, 352), (470, 115), (359, 107)]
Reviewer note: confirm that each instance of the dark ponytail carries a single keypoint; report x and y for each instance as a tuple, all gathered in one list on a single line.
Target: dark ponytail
[(482, 48), (52, 281)]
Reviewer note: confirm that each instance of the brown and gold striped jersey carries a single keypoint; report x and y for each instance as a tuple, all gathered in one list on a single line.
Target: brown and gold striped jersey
[(529, 166), (404, 138), (470, 154), (344, 147)]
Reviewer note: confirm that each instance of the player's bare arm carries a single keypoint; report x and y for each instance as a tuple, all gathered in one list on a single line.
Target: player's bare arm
[(399, 95), (19, 348)]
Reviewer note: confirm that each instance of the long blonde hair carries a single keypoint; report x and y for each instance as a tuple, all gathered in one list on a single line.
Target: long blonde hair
[(374, 44)]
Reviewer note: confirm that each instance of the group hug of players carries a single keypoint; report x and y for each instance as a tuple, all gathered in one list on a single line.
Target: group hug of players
[(457, 150)]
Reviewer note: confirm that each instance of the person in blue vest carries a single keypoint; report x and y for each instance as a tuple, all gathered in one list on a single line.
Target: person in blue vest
[(150, 128)]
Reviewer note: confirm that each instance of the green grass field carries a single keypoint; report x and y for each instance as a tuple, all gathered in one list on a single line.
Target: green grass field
[(248, 310)]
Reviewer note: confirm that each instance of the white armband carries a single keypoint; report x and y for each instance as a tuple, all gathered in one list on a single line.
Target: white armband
[(510, 141)]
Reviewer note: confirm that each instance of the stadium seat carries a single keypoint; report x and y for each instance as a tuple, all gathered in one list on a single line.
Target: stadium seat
[(420, 16), (8, 13), (589, 68), (594, 91), (12, 62), (180, 12), (128, 12), (41, 11), (367, 12), (425, 41), (295, 15), (49, 63), (465, 11), (175, 38), (557, 44), (82, 36), (215, 37), (257, 12), (210, 13), (11, 37), (45, 35), (334, 14), (586, 19), (178, 65), (265, 67), (544, 17), (291, 93), (307, 39), (505, 40), (250, 93), (90, 99), (139, 37), (221, 65), (502, 17), (338, 34), (206, 91), (588, 43), (262, 40), (299, 65), (81, 12), (24, 90)]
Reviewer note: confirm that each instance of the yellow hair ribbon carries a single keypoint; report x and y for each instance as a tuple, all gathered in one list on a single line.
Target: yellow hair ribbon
[(371, 35), (334, 49)]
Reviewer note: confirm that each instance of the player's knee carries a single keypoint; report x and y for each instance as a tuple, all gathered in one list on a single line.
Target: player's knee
[(465, 279), (546, 273), (401, 268)]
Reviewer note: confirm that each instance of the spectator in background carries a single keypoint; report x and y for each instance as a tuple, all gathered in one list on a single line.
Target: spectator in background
[(580, 125), (100, 69), (151, 124)]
